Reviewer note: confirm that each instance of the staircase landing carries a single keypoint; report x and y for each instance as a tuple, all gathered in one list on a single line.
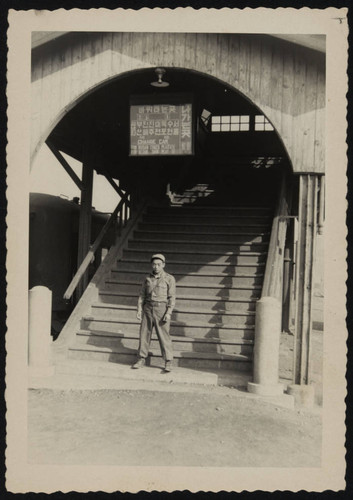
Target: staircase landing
[(96, 375), (151, 374)]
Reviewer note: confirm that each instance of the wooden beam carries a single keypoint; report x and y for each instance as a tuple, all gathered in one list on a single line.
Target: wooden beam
[(304, 277), (84, 231), (120, 192), (286, 288), (293, 282), (64, 164), (272, 285)]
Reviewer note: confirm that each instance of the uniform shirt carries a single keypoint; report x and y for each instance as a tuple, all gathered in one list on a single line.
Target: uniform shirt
[(159, 288)]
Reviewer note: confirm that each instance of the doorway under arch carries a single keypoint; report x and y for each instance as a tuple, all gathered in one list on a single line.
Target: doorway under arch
[(237, 164), (236, 150)]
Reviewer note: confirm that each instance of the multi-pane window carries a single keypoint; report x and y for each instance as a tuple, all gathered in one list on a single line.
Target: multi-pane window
[(239, 123), (262, 123), (235, 123)]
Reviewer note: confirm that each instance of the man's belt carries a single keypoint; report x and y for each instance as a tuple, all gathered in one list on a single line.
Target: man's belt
[(156, 302)]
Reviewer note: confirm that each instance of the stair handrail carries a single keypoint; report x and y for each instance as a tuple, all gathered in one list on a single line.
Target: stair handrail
[(120, 208), (90, 295), (272, 285)]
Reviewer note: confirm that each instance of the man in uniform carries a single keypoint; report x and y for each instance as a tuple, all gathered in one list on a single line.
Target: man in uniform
[(154, 308)]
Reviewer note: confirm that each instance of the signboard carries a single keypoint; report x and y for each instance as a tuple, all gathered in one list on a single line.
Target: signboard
[(161, 129)]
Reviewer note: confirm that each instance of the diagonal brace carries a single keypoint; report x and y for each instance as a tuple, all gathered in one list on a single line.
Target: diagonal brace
[(65, 164), (111, 181)]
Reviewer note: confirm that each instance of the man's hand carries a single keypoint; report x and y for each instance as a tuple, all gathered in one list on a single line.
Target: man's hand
[(139, 315), (166, 317)]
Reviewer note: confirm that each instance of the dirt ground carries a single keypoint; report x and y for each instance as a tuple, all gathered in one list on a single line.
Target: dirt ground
[(203, 426), (168, 428)]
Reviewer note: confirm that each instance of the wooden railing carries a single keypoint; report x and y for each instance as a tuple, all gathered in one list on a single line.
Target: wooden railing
[(121, 215), (272, 286)]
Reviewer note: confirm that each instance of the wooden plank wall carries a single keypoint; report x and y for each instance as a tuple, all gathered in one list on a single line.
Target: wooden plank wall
[(286, 81)]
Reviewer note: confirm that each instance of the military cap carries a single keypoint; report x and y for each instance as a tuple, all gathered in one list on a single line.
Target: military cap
[(158, 256)]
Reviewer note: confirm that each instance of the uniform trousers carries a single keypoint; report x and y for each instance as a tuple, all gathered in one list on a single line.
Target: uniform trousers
[(153, 313)]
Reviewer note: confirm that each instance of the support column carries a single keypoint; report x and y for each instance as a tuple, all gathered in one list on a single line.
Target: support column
[(39, 335), (84, 230), (293, 283), (308, 190), (268, 319), (266, 350), (286, 289)]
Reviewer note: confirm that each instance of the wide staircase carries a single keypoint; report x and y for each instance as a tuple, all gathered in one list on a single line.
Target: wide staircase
[(217, 255)]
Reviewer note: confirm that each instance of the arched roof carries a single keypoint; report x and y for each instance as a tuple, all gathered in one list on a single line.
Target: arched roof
[(285, 80)]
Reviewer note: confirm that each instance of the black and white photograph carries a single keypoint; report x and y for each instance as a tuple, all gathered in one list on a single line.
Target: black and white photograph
[(176, 258)]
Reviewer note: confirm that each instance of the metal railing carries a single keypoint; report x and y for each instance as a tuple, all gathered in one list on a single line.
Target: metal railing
[(121, 216)]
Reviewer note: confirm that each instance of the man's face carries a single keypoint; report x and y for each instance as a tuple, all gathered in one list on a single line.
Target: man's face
[(157, 266)]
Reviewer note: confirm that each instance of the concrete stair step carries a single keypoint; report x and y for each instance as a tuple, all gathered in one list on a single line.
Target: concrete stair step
[(217, 255), (245, 238), (206, 220), (120, 330), (191, 229), (192, 267), (182, 359), (126, 343), (116, 312), (241, 337), (201, 258), (199, 290), (221, 279), (196, 246), (113, 375), (193, 302), (192, 329)]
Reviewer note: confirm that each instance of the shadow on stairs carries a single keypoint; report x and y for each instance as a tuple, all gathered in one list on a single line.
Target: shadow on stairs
[(217, 255)]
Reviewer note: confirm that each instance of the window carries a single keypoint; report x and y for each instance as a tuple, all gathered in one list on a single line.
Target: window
[(235, 123), (262, 123), (205, 116)]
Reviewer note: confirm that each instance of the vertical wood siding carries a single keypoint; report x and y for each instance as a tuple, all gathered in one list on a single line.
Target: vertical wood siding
[(286, 81)]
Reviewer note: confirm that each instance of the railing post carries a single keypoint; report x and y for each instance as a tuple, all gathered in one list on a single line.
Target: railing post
[(120, 215), (125, 214)]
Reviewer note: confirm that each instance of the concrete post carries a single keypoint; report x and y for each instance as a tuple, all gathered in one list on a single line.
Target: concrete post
[(39, 338), (304, 395), (266, 349)]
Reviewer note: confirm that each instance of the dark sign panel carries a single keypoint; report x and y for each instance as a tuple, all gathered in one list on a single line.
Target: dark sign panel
[(161, 129)]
